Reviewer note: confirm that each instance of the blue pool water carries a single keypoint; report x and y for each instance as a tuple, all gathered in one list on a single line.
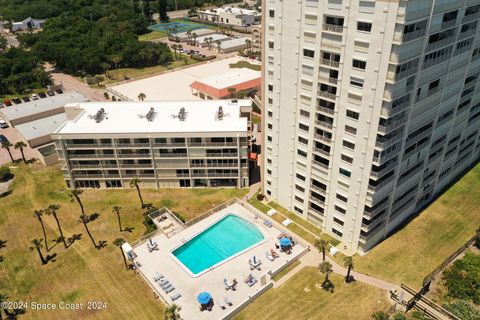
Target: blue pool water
[(224, 239)]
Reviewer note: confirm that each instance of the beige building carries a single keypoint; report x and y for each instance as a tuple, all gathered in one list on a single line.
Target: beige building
[(229, 16), (165, 144), (371, 109), (257, 37)]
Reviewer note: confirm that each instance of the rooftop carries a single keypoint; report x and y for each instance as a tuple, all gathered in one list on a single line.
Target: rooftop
[(239, 78), (234, 42), (41, 105), (154, 117), (42, 127), (232, 10), (214, 37)]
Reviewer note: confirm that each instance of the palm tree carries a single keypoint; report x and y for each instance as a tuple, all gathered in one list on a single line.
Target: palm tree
[(38, 245), (7, 145), (20, 145), (105, 67), (172, 312), (134, 183), (326, 269), (4, 298), (175, 48), (477, 239), (219, 45), (189, 35), (52, 210), (39, 215), (348, 263), (322, 246), (141, 96), (74, 194), (248, 42), (86, 220), (116, 59), (194, 36), (118, 242), (116, 209), (232, 91)]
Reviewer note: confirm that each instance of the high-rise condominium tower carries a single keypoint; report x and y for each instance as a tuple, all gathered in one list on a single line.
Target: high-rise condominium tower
[(371, 109)]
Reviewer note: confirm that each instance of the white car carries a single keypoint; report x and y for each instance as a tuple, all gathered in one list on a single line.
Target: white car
[(34, 96), (3, 124)]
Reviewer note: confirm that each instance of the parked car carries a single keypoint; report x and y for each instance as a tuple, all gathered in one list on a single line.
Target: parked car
[(3, 138), (51, 93), (3, 123), (35, 96), (16, 100), (7, 102), (42, 95), (26, 99)]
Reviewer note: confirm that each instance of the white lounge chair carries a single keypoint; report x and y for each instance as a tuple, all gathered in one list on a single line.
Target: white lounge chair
[(176, 296), (227, 301), (157, 277), (221, 304), (152, 245), (269, 256)]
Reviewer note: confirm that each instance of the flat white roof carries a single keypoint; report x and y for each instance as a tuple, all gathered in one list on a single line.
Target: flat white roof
[(128, 117), (232, 10), (198, 32), (41, 105), (42, 127), (234, 43), (214, 37), (231, 78), (172, 86)]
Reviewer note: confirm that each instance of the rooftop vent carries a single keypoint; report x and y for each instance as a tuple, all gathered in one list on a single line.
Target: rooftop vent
[(220, 114), (99, 116), (150, 116), (182, 114)]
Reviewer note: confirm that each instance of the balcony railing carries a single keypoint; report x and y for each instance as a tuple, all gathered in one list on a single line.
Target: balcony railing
[(380, 185), (334, 45), (214, 165), (330, 63), (389, 142), (320, 151), (391, 126), (87, 156), (413, 35), (134, 155), (332, 28), (389, 110), (323, 124), (170, 155), (326, 110), (374, 212), (322, 138), (466, 34), (92, 166), (213, 144), (448, 24), (471, 17), (319, 164), (87, 146), (315, 210), (319, 190), (133, 145), (382, 172), (370, 226), (328, 95), (439, 44), (168, 145)]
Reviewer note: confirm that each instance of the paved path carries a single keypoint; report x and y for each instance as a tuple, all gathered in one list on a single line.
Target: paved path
[(71, 83)]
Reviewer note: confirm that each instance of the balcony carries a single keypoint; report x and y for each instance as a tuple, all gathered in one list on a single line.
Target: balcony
[(89, 156), (471, 17), (439, 44), (413, 35), (449, 23), (168, 145), (326, 110), (430, 63), (143, 165), (389, 109), (328, 95), (374, 212), (87, 146), (322, 138), (319, 164), (380, 185), (92, 166), (330, 63), (170, 155), (315, 210), (402, 75), (139, 175), (372, 225), (466, 34), (221, 155), (392, 125), (382, 172), (332, 28), (321, 151), (318, 189), (214, 165), (133, 145), (389, 141), (333, 45), (323, 124), (99, 175), (222, 175), (135, 155), (213, 144)]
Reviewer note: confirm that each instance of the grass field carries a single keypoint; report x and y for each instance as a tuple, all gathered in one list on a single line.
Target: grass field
[(419, 247), (246, 64), (82, 273), (302, 298)]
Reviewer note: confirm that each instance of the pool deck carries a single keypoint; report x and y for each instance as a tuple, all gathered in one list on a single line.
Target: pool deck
[(237, 267)]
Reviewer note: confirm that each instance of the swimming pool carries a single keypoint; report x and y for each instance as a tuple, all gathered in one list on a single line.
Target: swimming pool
[(222, 240)]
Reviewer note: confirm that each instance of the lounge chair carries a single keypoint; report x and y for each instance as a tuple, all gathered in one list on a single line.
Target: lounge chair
[(274, 253), (252, 282), (163, 280), (152, 246), (158, 277), (269, 256), (255, 264), (228, 284), (227, 301), (221, 304), (176, 296), (267, 223), (169, 289), (166, 285)]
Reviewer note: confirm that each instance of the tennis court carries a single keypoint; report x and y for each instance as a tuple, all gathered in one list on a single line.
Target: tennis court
[(178, 25)]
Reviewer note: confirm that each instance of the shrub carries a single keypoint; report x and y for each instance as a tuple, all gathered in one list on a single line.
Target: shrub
[(5, 174), (260, 197), (105, 94), (462, 279), (463, 310), (399, 316), (147, 222)]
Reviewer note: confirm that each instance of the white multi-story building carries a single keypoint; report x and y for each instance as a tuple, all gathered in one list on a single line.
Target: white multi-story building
[(164, 144), (230, 16), (371, 109)]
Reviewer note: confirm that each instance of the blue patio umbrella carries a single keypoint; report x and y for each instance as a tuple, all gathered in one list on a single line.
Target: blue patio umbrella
[(285, 242), (204, 297)]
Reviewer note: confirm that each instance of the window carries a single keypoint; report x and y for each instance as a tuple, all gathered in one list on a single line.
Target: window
[(340, 209), (269, 138), (433, 85), (299, 199), (354, 98), (338, 233), (270, 44), (351, 130), (304, 113), (302, 153), (269, 161), (270, 114), (352, 114), (364, 26), (269, 172), (338, 221), (303, 140), (270, 87), (345, 172), (300, 177), (303, 127), (299, 188), (349, 145), (270, 126), (359, 64), (269, 192), (297, 209), (342, 198), (308, 53), (367, 6), (271, 13), (347, 158), (361, 46), (270, 101), (356, 82), (307, 70)]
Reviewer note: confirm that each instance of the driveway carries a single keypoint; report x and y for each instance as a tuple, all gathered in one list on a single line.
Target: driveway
[(71, 83), (13, 136)]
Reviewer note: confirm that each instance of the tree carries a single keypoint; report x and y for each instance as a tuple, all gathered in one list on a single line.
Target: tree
[(194, 37), (52, 210), (5, 174), (162, 10), (248, 42), (322, 246), (173, 312), (175, 48), (477, 238), (39, 215), (3, 43), (37, 244), (463, 310), (20, 145), (74, 195), (326, 269), (141, 96), (116, 209), (134, 183), (399, 316), (116, 59), (4, 298), (86, 220), (348, 263), (105, 67), (118, 242), (380, 315), (189, 35), (219, 46), (232, 91), (7, 145)]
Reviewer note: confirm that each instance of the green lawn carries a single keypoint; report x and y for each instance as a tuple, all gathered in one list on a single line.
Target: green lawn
[(256, 119), (152, 35), (418, 248), (246, 64), (302, 298), (82, 273)]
